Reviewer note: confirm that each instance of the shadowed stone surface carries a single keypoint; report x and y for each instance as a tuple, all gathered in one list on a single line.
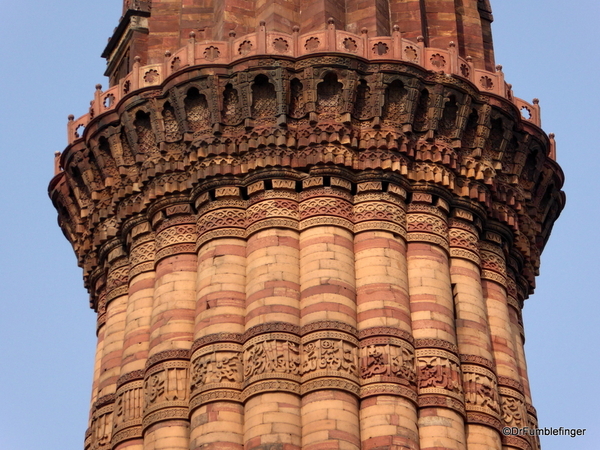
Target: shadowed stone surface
[(308, 225)]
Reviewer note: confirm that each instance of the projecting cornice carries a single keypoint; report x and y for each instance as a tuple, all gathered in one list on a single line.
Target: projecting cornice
[(263, 43), (215, 110)]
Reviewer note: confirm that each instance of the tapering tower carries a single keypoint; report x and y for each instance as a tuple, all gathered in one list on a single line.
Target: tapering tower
[(307, 225)]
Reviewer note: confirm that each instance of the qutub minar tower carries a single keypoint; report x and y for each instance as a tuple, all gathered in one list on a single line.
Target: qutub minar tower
[(307, 225)]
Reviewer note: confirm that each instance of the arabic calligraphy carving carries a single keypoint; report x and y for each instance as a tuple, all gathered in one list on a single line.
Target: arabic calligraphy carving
[(167, 382), (330, 352), (269, 354), (217, 365), (439, 373), (481, 390), (385, 360)]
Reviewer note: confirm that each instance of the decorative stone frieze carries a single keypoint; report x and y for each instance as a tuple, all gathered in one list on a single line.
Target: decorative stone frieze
[(329, 354), (302, 232), (439, 373)]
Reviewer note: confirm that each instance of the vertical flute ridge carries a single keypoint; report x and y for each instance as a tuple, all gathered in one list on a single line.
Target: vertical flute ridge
[(307, 225)]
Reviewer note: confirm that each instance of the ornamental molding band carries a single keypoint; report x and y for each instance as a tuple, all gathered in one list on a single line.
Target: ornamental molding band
[(439, 373), (310, 225)]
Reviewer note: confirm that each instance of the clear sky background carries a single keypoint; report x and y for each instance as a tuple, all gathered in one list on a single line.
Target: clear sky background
[(51, 63)]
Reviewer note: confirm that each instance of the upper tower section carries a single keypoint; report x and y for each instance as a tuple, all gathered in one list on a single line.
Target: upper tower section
[(148, 29), (234, 88)]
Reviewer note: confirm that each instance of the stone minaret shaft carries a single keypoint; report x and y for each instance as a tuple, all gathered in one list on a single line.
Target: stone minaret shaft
[(308, 225)]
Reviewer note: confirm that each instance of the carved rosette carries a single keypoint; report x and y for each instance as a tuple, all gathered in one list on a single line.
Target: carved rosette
[(169, 140), (212, 163)]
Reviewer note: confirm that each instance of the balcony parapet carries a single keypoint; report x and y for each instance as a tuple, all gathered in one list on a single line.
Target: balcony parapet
[(199, 53)]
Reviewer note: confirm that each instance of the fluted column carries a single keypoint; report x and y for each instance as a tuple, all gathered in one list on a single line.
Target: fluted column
[(216, 409), (473, 335), (330, 406), (441, 401), (374, 15), (272, 341), (89, 435), (127, 431), (517, 408), (471, 33), (99, 298), (278, 15), (299, 234), (501, 296), (166, 378), (315, 13), (407, 14), (388, 413), (115, 305)]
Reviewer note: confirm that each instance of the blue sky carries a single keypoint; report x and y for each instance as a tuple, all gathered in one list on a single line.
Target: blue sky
[(52, 62)]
